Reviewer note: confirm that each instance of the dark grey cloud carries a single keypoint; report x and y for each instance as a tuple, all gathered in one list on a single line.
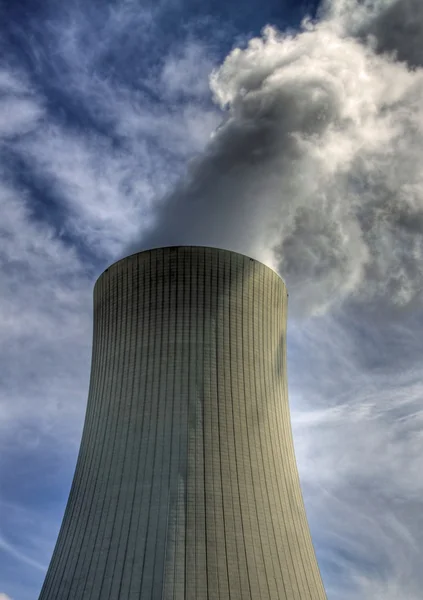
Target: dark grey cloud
[(398, 29)]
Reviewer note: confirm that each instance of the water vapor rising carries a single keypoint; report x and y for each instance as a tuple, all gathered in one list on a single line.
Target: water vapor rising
[(317, 167)]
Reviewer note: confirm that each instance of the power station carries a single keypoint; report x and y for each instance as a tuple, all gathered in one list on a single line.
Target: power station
[(186, 485)]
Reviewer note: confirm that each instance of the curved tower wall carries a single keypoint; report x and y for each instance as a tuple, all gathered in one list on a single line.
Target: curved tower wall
[(186, 486)]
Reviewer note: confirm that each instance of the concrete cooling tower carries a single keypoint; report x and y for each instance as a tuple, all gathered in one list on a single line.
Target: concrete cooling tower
[(186, 486)]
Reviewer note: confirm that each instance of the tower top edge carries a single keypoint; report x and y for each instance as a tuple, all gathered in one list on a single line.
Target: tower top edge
[(186, 247)]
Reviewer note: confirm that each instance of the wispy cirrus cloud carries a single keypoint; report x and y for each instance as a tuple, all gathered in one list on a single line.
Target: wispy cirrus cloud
[(83, 155), (71, 196), (21, 108), (20, 556), (358, 425)]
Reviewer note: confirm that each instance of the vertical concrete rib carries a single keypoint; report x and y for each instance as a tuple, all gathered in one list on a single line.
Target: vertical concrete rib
[(186, 485), (209, 421)]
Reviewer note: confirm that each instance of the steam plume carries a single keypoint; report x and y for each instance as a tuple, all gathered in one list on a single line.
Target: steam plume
[(316, 169)]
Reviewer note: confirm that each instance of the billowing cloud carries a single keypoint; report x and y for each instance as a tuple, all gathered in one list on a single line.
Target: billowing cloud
[(317, 167)]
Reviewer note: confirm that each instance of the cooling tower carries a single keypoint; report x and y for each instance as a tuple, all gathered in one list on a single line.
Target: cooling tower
[(186, 486)]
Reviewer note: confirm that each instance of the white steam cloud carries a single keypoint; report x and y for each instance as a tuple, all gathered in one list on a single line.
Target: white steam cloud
[(317, 168)]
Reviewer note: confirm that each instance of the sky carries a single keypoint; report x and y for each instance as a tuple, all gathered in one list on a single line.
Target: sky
[(289, 131)]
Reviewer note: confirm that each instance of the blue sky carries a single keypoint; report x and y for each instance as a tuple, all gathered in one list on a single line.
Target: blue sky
[(129, 124)]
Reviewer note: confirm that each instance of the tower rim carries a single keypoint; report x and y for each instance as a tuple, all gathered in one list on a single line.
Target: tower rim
[(195, 246)]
